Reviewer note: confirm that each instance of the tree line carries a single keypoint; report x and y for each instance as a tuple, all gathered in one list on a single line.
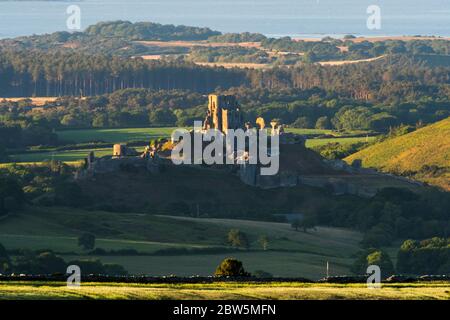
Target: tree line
[(74, 74), (393, 79)]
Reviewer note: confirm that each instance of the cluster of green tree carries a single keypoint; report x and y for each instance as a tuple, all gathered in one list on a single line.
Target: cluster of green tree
[(112, 38), (307, 222), (312, 108), (229, 54), (321, 110), (393, 79), (238, 37), (396, 79), (317, 50), (430, 256), (392, 214), (68, 42), (239, 239), (61, 74), (336, 150), (18, 131), (371, 257), (11, 195), (48, 263), (50, 184), (149, 31), (366, 49), (123, 108), (330, 49)]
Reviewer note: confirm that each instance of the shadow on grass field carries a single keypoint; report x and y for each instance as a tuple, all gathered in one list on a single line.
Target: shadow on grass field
[(290, 254)]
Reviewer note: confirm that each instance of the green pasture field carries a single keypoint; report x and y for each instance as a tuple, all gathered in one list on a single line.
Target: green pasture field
[(65, 156), (289, 254), (311, 143), (144, 134), (224, 291), (114, 135)]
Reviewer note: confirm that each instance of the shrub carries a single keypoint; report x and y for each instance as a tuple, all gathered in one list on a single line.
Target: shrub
[(231, 267)]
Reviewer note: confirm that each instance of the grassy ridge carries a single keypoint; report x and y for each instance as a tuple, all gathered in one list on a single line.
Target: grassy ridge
[(224, 291), (411, 152)]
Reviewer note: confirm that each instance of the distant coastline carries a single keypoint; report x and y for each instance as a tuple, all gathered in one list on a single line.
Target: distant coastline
[(272, 18)]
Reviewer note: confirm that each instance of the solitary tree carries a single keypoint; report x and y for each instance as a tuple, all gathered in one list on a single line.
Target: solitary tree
[(86, 241), (296, 224), (232, 268), (306, 223), (238, 239), (264, 242)]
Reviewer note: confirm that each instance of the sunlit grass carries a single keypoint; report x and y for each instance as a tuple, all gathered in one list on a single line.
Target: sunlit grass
[(114, 135), (223, 291)]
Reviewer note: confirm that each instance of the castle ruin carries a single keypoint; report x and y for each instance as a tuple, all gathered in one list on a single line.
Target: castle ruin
[(223, 113)]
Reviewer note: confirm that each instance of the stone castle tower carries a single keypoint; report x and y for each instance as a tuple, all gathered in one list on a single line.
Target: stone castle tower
[(223, 113)]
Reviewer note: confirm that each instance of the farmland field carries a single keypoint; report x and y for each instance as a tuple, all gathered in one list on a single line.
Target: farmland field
[(114, 135), (146, 134), (66, 156), (290, 253), (426, 147), (224, 291), (310, 143)]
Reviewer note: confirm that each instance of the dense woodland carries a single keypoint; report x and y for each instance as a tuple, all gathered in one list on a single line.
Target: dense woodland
[(24, 125), (63, 74), (57, 74)]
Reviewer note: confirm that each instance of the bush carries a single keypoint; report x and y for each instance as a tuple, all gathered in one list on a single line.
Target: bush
[(231, 267)]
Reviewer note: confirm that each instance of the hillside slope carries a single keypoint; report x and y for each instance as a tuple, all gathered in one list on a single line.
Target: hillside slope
[(160, 241), (413, 154)]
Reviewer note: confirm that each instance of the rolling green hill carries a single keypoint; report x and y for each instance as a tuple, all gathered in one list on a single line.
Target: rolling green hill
[(424, 154), (290, 253)]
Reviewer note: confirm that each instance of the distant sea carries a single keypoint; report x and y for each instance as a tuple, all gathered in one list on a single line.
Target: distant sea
[(297, 18)]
